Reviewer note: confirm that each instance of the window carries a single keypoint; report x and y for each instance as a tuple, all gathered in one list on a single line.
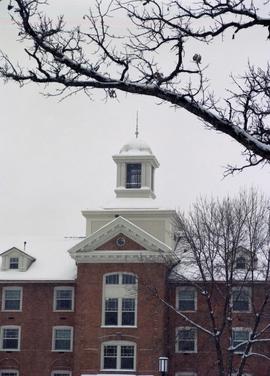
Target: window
[(241, 263), (10, 338), (186, 340), (63, 298), (133, 175), (186, 298), (14, 263), (118, 356), (62, 338), (9, 372), (12, 299), (239, 336), (119, 299), (61, 373), (241, 297)]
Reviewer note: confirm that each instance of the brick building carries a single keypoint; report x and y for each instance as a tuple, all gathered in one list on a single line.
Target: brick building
[(95, 306)]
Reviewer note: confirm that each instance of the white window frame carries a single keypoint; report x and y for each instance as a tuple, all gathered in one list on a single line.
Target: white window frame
[(2, 337), (195, 340), (55, 373), (15, 371), (64, 327), (119, 291), (9, 262), (118, 358), (242, 288), (67, 288), (4, 298), (182, 288), (240, 329)]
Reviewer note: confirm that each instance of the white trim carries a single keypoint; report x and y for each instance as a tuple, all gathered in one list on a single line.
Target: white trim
[(186, 287), (58, 327), (15, 371), (2, 338), (195, 340), (114, 227), (6, 288), (67, 288), (118, 344)]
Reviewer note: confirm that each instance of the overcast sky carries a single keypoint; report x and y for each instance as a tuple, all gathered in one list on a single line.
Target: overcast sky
[(55, 157)]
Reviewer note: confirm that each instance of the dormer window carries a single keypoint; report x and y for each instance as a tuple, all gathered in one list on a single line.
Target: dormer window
[(14, 263), (241, 263), (134, 172), (15, 259)]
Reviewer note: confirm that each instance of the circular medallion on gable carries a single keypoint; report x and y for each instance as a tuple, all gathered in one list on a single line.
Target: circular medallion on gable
[(120, 242)]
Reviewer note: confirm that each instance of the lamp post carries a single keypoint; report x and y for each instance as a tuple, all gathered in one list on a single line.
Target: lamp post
[(163, 365)]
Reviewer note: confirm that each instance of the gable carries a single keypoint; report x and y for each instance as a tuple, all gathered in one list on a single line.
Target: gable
[(23, 259), (138, 245), (120, 242)]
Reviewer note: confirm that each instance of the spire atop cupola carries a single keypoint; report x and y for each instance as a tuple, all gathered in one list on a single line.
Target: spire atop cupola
[(136, 166)]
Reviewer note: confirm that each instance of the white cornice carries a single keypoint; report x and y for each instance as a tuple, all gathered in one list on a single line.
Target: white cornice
[(85, 251)]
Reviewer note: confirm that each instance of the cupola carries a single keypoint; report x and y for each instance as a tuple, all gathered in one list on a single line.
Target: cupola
[(136, 166)]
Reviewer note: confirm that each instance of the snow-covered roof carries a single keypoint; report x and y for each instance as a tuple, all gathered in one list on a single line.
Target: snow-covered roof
[(53, 263), (136, 146), (187, 269)]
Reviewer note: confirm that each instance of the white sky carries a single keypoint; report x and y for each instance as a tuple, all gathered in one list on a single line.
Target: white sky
[(55, 158)]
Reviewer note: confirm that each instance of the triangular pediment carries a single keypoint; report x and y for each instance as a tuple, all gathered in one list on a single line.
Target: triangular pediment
[(120, 242), (14, 251), (135, 239)]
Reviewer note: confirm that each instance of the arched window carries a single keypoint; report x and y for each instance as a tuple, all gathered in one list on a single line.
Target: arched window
[(118, 355), (120, 299)]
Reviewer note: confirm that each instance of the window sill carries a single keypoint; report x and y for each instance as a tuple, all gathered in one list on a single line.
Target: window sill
[(10, 350), (62, 351), (122, 371), (119, 326)]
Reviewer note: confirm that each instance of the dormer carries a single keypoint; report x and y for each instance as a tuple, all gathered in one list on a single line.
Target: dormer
[(244, 260), (136, 166), (16, 260)]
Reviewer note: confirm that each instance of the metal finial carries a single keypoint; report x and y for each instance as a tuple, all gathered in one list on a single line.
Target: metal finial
[(24, 246), (137, 125)]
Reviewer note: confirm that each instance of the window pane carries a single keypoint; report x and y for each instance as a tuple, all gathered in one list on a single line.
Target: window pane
[(186, 340), (240, 336), (12, 299), (110, 357), (240, 300), (10, 338), (14, 263), (9, 373), (111, 311), (127, 357), (186, 299), (241, 263), (62, 339), (112, 279), (133, 175), (128, 279), (64, 299), (61, 373), (128, 311)]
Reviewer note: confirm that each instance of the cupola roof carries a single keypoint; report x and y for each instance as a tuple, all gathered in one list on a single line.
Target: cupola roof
[(136, 146)]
